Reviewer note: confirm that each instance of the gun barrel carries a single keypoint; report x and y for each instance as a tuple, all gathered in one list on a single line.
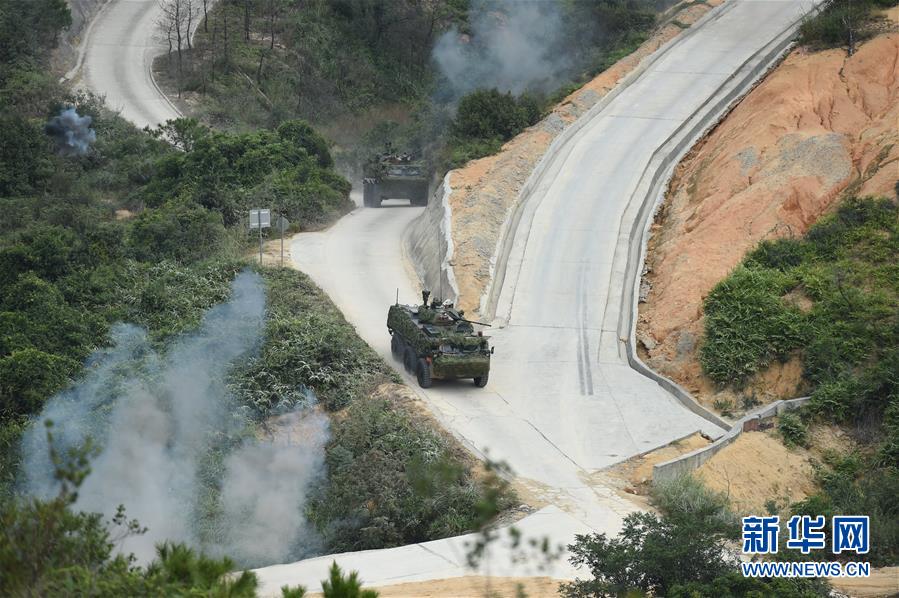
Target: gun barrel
[(473, 322)]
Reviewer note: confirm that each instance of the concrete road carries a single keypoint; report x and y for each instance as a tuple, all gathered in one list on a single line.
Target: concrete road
[(119, 53), (562, 401)]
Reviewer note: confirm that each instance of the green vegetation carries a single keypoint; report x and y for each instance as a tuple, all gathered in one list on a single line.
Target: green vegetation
[(288, 169), (833, 299), (850, 483), (792, 429), (131, 230), (146, 227), (841, 23), (48, 549), (485, 119), (393, 480), (683, 552), (845, 269), (308, 344), (363, 70)]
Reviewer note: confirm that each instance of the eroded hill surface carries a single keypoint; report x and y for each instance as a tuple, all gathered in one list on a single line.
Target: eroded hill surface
[(818, 126)]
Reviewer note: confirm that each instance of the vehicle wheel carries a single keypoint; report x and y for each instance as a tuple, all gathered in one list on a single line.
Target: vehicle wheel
[(409, 360), (369, 195), (481, 381), (396, 347), (423, 374)]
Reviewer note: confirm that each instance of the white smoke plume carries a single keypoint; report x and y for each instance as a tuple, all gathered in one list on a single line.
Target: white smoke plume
[(72, 132), (156, 417), (513, 46)]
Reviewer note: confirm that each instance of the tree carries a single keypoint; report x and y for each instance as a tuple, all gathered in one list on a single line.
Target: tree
[(684, 552), (339, 586), (175, 24), (489, 114), (49, 549)]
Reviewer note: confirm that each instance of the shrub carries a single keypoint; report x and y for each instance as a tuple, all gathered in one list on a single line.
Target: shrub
[(488, 114), (685, 552), (748, 324), (29, 376), (391, 481), (178, 231), (839, 23), (25, 161), (792, 429), (651, 554), (685, 498), (848, 486)]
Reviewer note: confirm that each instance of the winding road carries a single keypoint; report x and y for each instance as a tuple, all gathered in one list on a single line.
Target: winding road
[(118, 55), (563, 401)]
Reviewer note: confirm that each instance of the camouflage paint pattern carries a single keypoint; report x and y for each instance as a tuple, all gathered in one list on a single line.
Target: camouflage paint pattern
[(454, 349)]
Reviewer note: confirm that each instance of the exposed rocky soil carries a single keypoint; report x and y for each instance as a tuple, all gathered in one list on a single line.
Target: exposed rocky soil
[(819, 126), (485, 190)]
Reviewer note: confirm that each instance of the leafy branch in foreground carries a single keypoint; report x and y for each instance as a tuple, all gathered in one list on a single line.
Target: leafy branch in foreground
[(684, 552)]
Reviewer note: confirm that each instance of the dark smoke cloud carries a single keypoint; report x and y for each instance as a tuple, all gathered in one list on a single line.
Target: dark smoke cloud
[(72, 132), (513, 46), (156, 417)]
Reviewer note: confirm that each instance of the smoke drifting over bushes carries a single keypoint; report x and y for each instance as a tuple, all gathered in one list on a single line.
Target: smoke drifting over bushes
[(72, 132), (514, 46), (158, 416)]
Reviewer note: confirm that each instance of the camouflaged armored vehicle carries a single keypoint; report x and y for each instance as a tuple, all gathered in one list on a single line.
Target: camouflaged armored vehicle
[(393, 175), (435, 342)]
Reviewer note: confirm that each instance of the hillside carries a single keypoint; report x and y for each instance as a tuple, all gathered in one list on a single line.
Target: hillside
[(365, 73), (130, 318), (770, 274), (821, 126)]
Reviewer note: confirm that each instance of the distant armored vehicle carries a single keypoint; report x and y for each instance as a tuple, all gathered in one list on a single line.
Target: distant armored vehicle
[(436, 342), (393, 175)]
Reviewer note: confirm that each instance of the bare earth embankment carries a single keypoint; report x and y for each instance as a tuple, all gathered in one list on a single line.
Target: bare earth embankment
[(819, 125)]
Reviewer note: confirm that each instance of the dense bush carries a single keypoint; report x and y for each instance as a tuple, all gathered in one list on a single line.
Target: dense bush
[(308, 345), (182, 231), (287, 169), (748, 324), (683, 552), (792, 429), (488, 114), (485, 119), (840, 23), (393, 480), (852, 484), (847, 337)]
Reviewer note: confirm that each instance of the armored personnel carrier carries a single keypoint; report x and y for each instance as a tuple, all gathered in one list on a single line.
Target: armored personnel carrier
[(393, 175), (435, 342)]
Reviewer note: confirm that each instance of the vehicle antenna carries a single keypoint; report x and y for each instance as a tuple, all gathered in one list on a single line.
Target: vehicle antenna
[(397, 295)]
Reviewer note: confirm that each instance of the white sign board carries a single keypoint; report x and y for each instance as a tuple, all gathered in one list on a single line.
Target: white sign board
[(260, 218), (283, 223)]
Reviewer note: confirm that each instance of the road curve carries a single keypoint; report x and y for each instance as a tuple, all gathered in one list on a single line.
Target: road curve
[(563, 402), (118, 56)]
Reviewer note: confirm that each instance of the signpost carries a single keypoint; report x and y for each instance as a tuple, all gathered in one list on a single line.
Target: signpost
[(260, 219), (282, 226)]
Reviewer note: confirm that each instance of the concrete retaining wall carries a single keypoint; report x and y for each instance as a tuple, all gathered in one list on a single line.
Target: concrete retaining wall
[(752, 421), (428, 244), (553, 156), (650, 193)]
